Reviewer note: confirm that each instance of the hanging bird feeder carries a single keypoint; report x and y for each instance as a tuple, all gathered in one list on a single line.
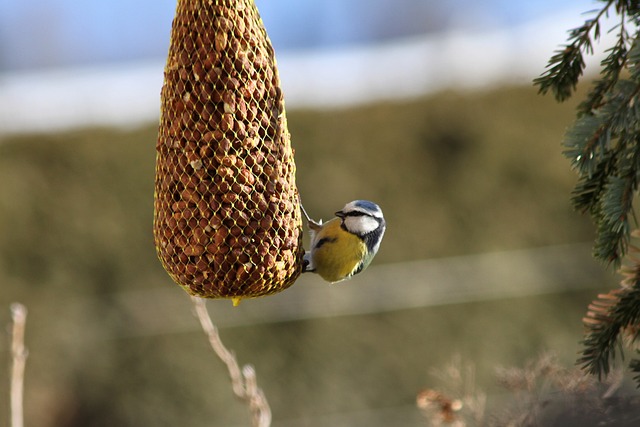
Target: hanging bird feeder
[(226, 210)]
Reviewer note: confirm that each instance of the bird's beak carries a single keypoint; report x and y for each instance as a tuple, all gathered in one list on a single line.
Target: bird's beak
[(339, 214)]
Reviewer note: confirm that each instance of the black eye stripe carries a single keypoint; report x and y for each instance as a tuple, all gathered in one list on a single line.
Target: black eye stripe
[(355, 213)]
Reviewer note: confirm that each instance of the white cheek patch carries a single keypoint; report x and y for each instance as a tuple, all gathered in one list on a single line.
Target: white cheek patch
[(361, 225)]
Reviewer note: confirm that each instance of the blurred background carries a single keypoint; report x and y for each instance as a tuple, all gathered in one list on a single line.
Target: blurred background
[(424, 107)]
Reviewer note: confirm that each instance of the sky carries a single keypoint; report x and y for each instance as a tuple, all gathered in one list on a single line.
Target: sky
[(59, 33), (69, 63)]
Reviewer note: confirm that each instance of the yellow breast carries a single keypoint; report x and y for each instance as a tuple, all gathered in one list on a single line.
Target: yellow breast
[(339, 253)]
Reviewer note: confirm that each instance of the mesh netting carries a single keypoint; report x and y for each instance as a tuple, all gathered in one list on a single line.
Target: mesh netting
[(227, 220)]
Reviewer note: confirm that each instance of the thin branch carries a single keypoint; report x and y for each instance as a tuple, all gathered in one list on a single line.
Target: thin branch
[(19, 359), (243, 382)]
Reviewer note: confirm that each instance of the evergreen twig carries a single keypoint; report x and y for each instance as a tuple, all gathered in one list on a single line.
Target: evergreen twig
[(603, 146), (567, 64), (612, 319)]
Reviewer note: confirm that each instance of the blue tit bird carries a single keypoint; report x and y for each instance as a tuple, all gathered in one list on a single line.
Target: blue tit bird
[(345, 245)]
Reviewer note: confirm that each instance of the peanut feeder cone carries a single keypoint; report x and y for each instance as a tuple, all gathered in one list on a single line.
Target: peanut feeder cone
[(226, 216)]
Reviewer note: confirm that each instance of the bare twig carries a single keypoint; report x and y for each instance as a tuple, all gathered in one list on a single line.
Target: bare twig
[(243, 382), (19, 359)]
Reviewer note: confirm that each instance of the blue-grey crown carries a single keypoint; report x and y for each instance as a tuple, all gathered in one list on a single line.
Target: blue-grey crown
[(369, 206)]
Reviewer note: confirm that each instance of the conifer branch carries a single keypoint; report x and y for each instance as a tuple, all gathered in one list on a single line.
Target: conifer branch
[(602, 144), (613, 319), (567, 65)]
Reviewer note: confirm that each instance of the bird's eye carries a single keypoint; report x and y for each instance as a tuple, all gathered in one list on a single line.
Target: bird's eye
[(355, 213)]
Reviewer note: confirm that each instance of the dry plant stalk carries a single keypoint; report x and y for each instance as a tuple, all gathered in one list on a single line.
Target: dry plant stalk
[(461, 405), (542, 393), (440, 408), (19, 360), (227, 222), (243, 381)]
